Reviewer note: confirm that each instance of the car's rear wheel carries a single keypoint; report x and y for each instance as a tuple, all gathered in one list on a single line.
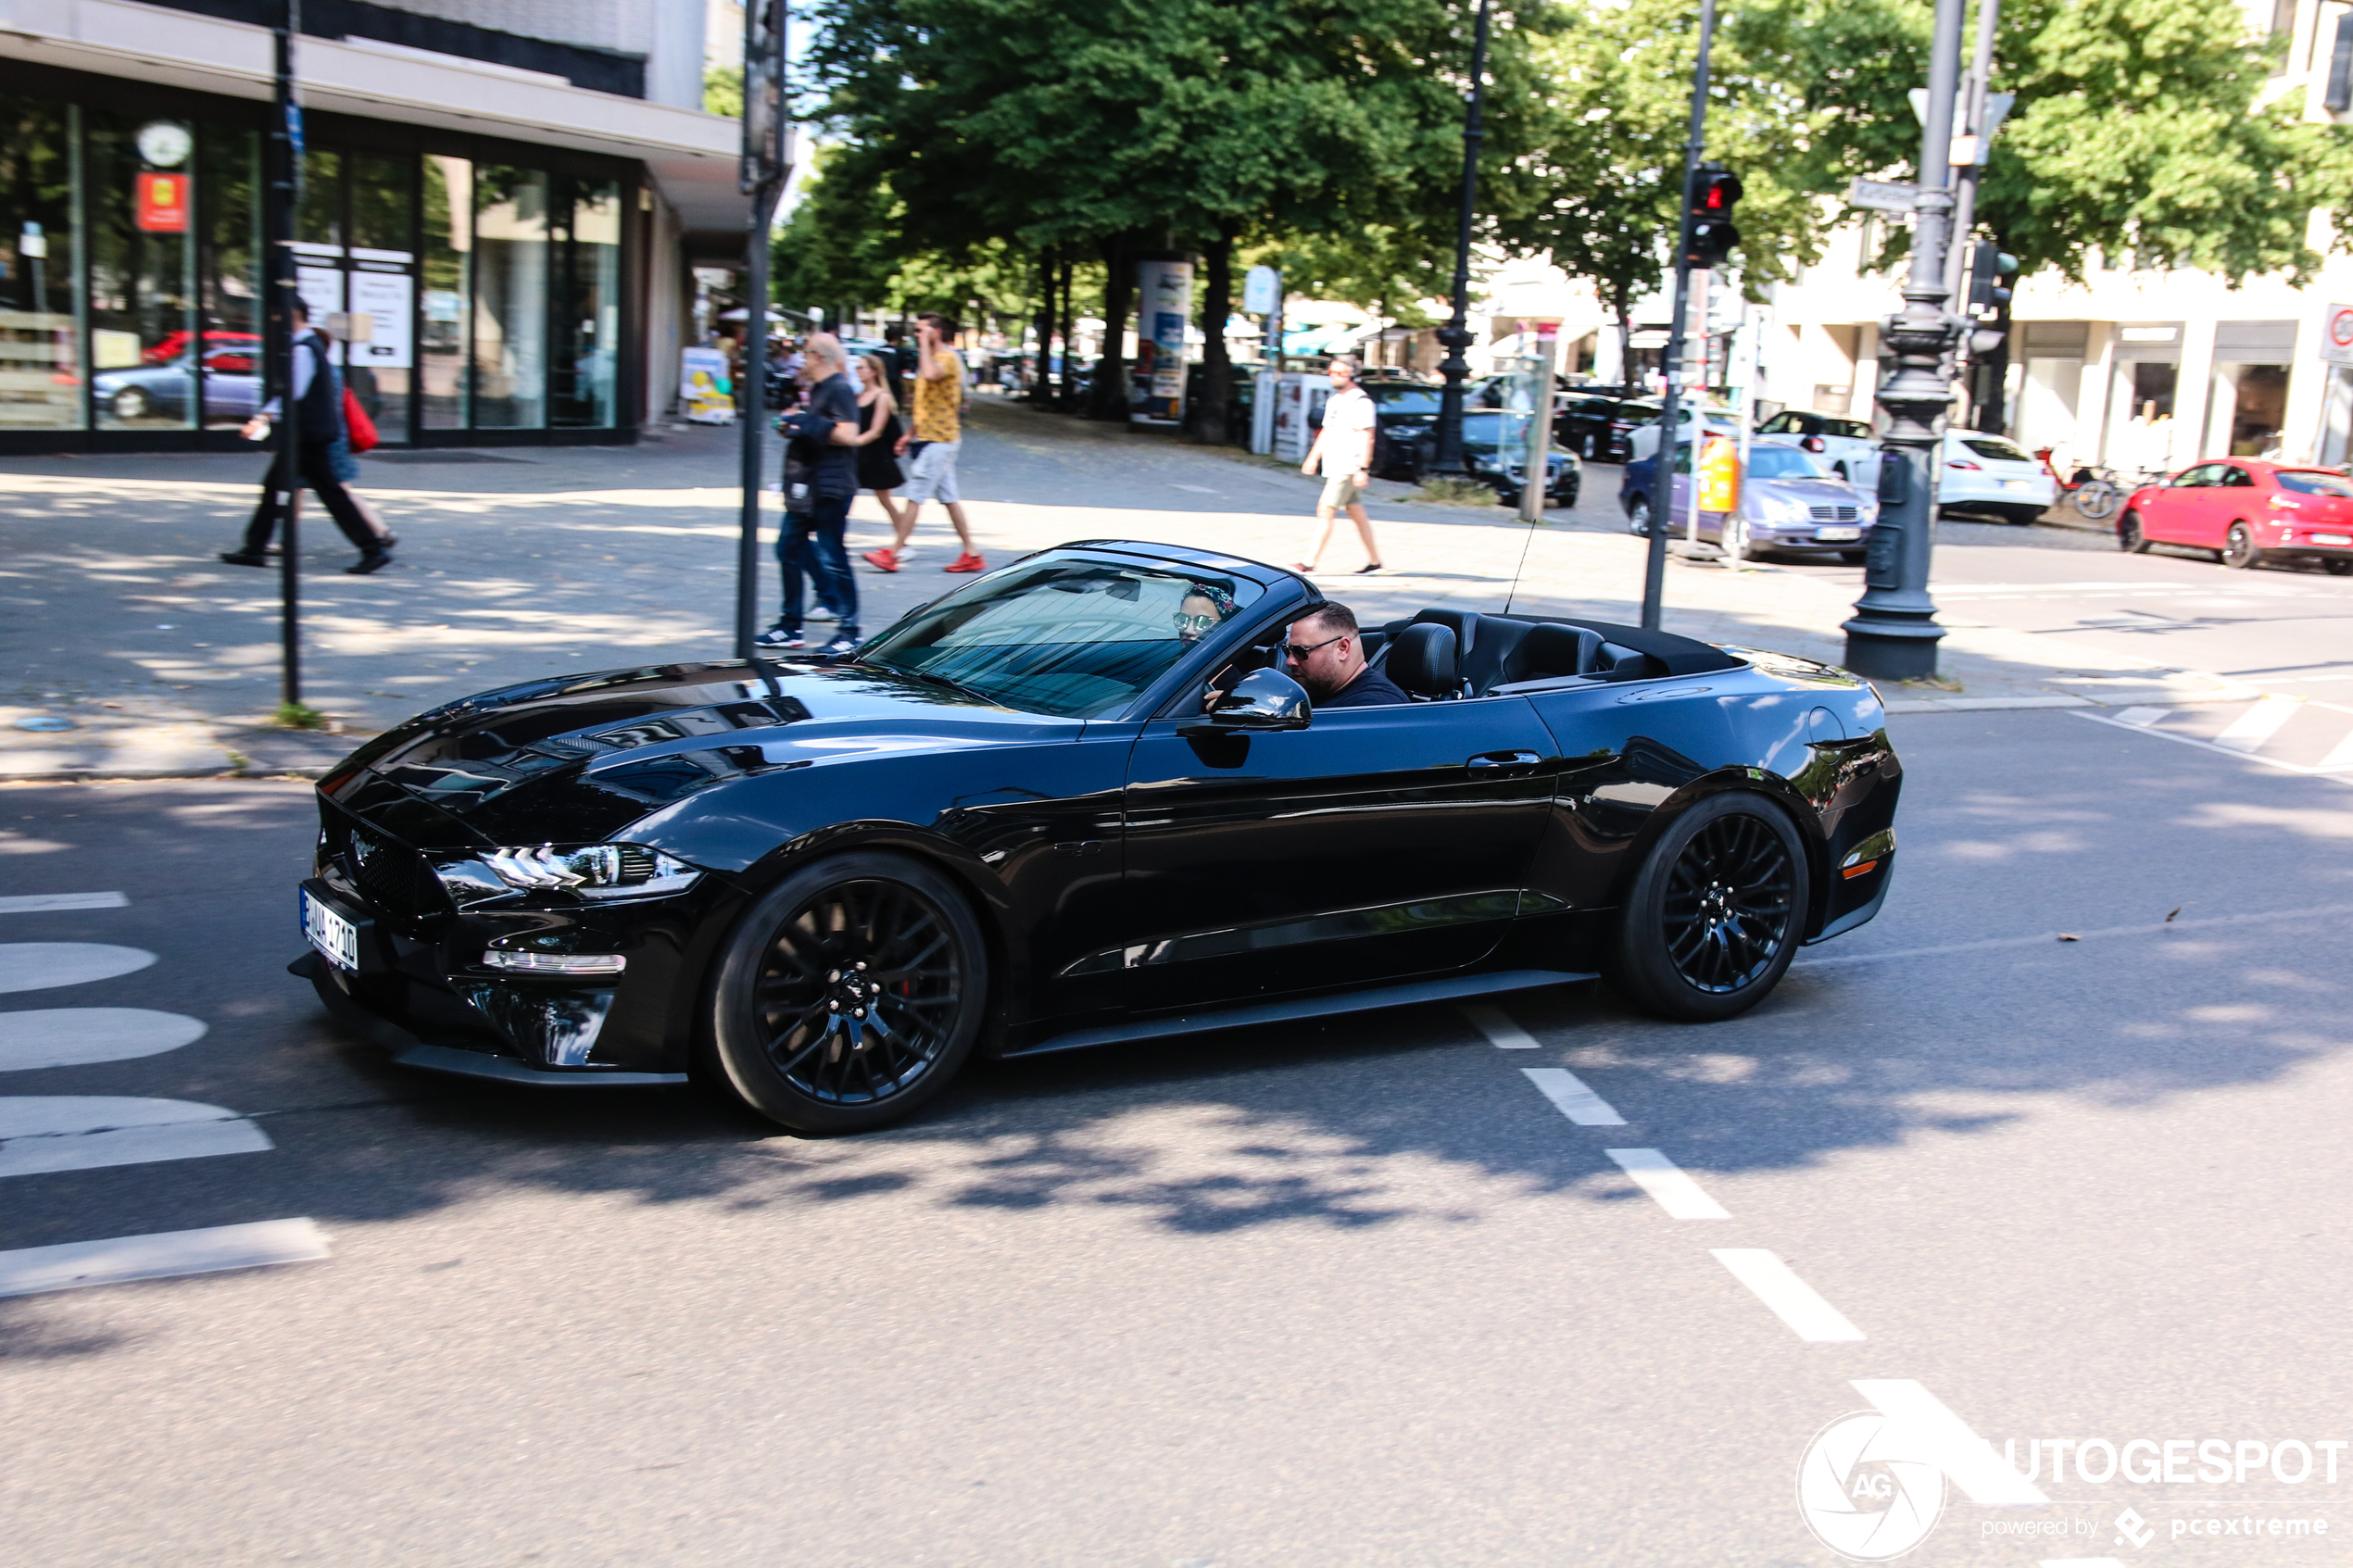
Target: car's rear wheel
[(2129, 537), (2338, 566), (1855, 557), (2238, 548), (131, 403), (1717, 911), (850, 994)]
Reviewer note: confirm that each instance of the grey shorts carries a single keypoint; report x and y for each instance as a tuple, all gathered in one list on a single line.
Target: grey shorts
[(1341, 490), (931, 473)]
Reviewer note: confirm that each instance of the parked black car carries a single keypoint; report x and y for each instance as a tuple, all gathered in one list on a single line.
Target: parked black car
[(1595, 424), (1006, 826)]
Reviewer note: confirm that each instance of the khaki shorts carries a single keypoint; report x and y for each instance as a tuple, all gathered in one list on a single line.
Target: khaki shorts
[(1341, 490), (931, 473)]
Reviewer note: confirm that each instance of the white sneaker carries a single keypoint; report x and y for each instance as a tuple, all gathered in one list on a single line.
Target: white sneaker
[(822, 613)]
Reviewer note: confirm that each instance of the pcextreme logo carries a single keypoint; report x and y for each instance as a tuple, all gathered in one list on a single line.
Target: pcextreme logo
[(1863, 1493)]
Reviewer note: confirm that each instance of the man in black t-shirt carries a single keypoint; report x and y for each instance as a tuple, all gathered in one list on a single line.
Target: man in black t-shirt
[(821, 476), (1326, 655)]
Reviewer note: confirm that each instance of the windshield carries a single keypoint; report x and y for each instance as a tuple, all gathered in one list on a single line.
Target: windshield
[(2306, 482), (1768, 462), (1995, 449), (1483, 432), (1396, 398), (1070, 634)]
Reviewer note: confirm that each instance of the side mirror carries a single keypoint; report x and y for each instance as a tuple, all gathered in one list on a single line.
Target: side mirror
[(1264, 700)]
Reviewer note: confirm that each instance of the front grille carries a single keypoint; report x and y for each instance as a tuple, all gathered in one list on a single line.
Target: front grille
[(389, 875), (1836, 514)]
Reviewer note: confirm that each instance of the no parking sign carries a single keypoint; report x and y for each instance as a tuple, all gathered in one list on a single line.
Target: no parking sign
[(2336, 335)]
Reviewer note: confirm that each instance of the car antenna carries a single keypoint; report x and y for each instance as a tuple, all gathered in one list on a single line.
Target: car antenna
[(1530, 540)]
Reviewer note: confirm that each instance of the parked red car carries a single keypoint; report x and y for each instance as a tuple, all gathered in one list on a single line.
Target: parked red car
[(2246, 510)]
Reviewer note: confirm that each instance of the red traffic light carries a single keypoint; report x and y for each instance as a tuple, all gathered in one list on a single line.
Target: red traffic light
[(1708, 234), (1714, 191)]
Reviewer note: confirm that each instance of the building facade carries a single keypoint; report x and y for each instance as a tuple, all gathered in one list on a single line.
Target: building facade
[(507, 197)]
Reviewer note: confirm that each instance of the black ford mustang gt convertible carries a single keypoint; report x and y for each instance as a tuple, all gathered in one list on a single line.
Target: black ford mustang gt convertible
[(1075, 801)]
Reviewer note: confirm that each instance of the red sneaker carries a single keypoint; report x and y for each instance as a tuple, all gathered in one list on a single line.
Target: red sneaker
[(882, 560), (967, 562)]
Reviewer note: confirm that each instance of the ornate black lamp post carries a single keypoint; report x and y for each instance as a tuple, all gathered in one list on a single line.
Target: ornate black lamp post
[(1455, 334)]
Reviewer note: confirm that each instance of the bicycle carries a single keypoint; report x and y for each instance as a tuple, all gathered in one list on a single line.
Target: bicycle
[(2094, 493)]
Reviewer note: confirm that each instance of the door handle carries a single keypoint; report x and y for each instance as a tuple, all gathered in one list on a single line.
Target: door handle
[(1503, 762)]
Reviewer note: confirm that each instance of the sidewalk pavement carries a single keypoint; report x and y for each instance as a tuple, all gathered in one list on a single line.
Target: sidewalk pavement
[(524, 563)]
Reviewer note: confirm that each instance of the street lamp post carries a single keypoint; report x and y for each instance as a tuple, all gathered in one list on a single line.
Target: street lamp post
[(1457, 334), (766, 162), (279, 200), (1893, 633)]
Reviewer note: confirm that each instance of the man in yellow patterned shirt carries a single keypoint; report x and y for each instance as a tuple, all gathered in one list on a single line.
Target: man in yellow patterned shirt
[(931, 447)]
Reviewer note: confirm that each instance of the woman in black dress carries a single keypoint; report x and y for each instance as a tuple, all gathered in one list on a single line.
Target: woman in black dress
[(878, 434)]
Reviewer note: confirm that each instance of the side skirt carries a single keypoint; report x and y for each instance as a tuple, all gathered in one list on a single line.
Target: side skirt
[(1284, 1011)]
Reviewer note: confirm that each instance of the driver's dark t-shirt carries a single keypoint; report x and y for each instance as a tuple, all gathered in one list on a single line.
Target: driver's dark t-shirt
[(1369, 689)]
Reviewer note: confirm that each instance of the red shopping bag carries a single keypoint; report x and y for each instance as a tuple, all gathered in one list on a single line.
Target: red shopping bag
[(356, 425)]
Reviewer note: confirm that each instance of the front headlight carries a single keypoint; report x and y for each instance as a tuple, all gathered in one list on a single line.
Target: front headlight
[(591, 870)]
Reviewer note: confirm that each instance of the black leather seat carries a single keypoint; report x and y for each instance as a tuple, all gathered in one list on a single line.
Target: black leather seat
[(1482, 643), (1422, 661), (1551, 650)]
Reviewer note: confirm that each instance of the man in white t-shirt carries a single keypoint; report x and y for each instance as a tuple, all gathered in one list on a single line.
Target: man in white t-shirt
[(1344, 448)]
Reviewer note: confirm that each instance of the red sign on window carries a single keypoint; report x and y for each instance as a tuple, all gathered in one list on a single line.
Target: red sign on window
[(163, 203)]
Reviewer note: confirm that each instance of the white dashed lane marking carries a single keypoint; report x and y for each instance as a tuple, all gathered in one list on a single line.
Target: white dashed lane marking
[(1577, 1102), (41, 1133), (44, 903), (1667, 1183), (1500, 1032), (79, 1037), (165, 1255), (35, 966), (1943, 1438), (1792, 1301)]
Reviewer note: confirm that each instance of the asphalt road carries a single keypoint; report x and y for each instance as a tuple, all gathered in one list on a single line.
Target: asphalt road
[(1357, 1294)]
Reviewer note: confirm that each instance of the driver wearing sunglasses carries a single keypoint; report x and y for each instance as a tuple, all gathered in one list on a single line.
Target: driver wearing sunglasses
[(1326, 654)]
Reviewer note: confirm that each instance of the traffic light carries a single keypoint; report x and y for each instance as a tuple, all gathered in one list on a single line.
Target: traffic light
[(1988, 264), (1708, 234)]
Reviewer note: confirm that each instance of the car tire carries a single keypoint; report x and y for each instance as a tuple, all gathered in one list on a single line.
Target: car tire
[(131, 404), (1638, 516), (1855, 557), (1570, 491), (1716, 913), (2338, 566), (2129, 537), (1733, 538), (2239, 550), (864, 928), (1593, 448)]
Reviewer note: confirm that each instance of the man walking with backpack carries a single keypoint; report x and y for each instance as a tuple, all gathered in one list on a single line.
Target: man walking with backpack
[(318, 396), (1344, 448)]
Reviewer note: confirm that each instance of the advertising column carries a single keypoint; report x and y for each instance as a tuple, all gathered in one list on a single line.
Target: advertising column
[(1165, 303)]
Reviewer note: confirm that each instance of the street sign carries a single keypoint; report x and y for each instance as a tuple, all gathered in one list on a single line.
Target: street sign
[(1883, 196), (1262, 291), (2336, 337)]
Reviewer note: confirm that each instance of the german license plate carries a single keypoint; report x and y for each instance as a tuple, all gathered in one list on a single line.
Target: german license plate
[(1837, 535), (336, 938), (2332, 538), (2017, 484)]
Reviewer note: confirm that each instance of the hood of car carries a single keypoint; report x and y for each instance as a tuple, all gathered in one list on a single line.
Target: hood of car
[(1812, 492), (580, 759)]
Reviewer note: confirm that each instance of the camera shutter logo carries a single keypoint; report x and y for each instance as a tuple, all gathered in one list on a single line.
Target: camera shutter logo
[(1863, 1493)]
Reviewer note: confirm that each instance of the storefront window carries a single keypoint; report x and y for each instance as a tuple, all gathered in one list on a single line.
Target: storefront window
[(382, 287), (2337, 419), (40, 355), (587, 304), (447, 248), (229, 182), (2249, 410), (511, 298), (2140, 415), (138, 199)]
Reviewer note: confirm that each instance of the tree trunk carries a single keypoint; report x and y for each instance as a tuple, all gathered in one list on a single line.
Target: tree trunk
[(1625, 303), (1040, 388), (1119, 294), (1066, 384), (1217, 304)]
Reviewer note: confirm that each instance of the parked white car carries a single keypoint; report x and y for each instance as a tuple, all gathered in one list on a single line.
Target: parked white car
[(1642, 440), (1992, 475), (1845, 446)]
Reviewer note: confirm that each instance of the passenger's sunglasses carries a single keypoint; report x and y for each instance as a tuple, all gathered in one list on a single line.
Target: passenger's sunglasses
[(1301, 650), (1196, 623)]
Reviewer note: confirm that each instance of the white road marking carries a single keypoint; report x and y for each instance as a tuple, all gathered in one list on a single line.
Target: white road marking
[(1794, 1301), (40, 1133), (2141, 715), (1944, 1439), (1500, 1032), (40, 903), (2322, 771), (2340, 755), (75, 1264), (1577, 1102), (2045, 939), (33, 966), (2259, 723), (78, 1036), (1667, 1183), (2083, 1562)]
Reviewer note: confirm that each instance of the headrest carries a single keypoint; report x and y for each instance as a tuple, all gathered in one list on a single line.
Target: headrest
[(1422, 661), (1552, 649), (1463, 623)]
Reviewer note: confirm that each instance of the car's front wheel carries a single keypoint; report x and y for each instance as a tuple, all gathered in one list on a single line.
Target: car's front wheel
[(2238, 548), (1717, 911), (850, 994), (1637, 515), (2129, 537), (2338, 566), (1738, 545), (131, 403)]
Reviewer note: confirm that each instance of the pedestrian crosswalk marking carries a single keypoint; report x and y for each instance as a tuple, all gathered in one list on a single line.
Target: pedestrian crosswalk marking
[(2251, 729), (80, 1036), (44, 903), (42, 1133), (2293, 734), (33, 966), (73, 1265)]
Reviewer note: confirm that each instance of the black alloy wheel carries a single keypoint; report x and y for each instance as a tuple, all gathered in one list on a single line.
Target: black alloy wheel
[(2238, 548), (2129, 537), (850, 994), (2339, 566), (1717, 911)]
